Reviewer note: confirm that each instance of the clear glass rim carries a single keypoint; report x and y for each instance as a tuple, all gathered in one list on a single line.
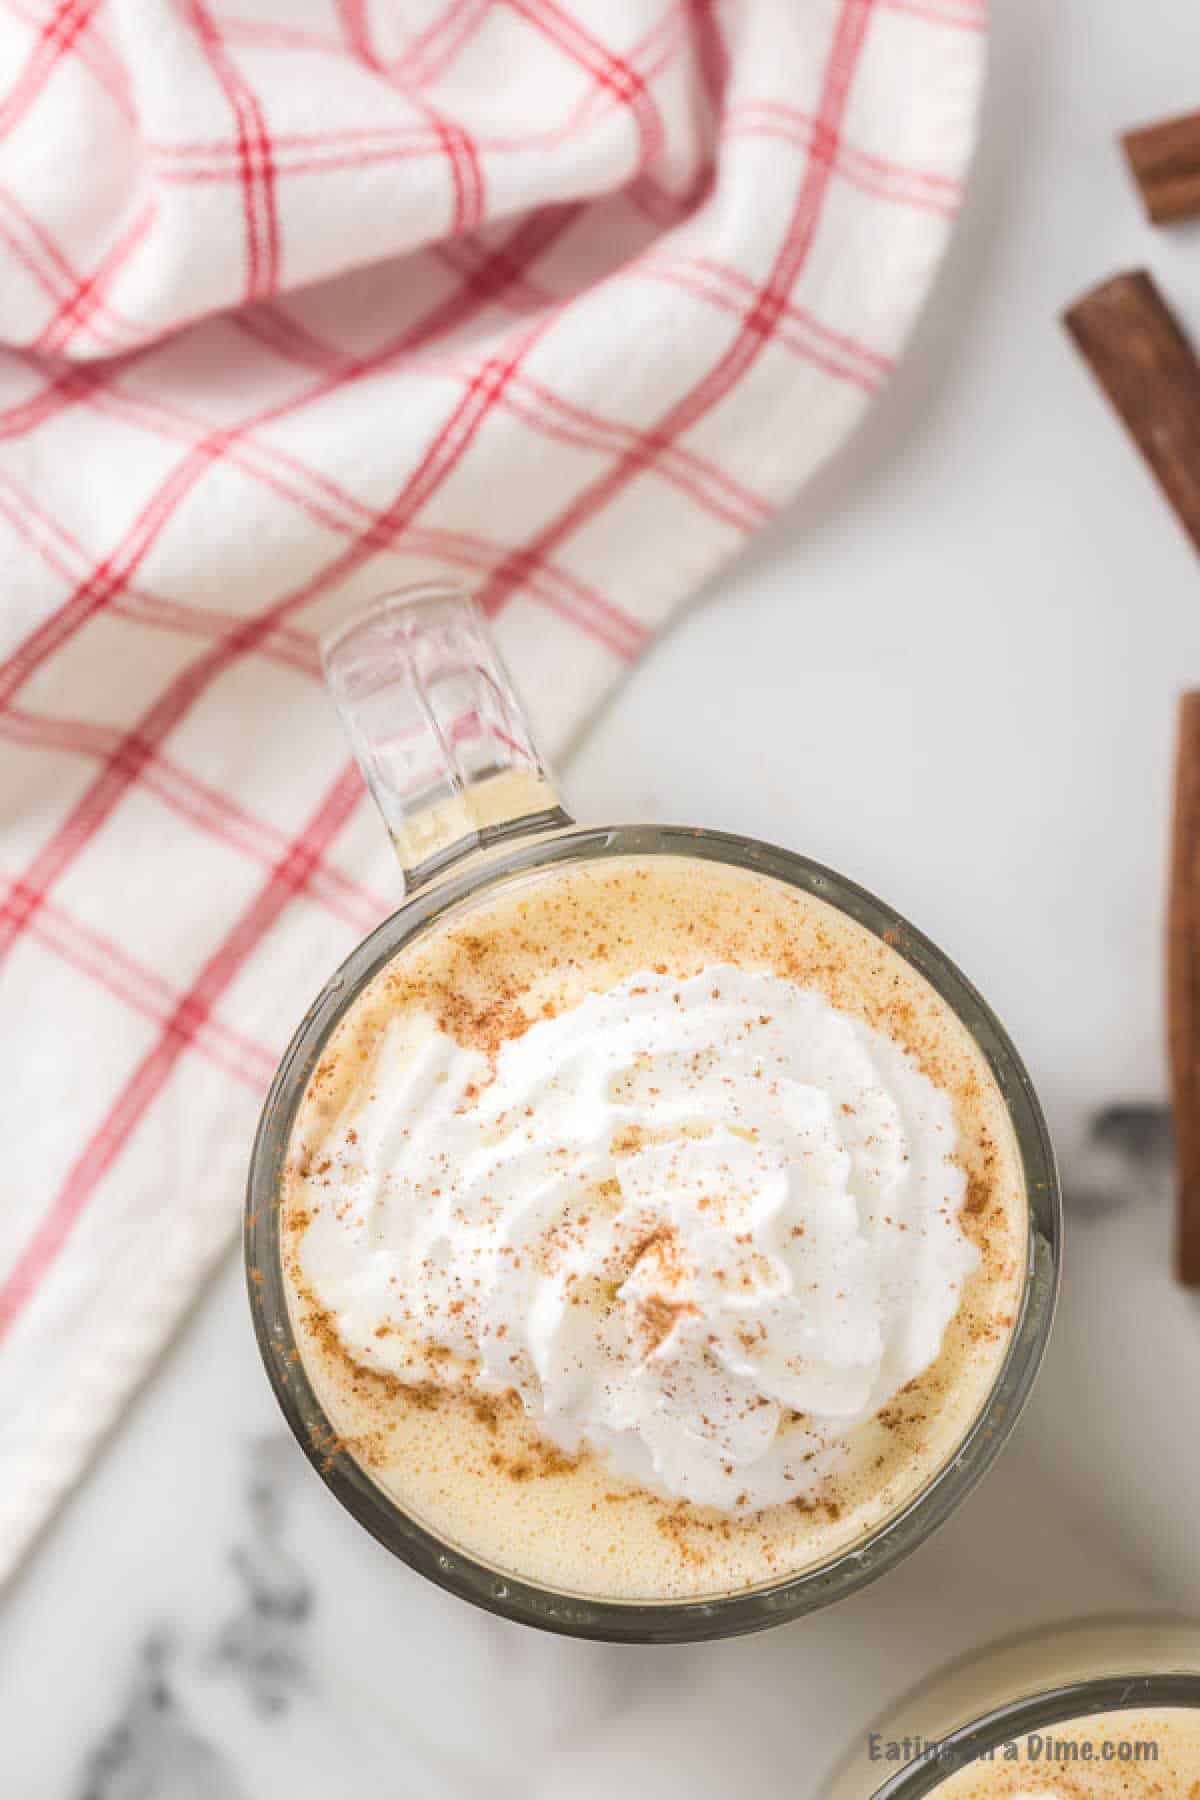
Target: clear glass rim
[(622, 1621), (1036, 1712)]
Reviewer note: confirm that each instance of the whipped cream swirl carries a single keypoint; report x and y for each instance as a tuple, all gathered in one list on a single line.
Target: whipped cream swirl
[(706, 1227)]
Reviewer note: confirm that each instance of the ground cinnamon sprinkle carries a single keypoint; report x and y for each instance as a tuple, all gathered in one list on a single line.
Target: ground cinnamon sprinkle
[(659, 1318), (979, 1195)]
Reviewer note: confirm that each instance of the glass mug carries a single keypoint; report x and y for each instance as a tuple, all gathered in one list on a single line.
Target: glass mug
[(447, 755), (1037, 1686)]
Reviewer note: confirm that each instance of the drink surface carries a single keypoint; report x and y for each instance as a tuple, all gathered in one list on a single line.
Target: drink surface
[(652, 1230), (1152, 1749), (1136, 1753)]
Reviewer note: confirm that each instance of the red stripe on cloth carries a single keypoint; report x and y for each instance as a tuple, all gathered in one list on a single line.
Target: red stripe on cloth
[(530, 400), (166, 151), (124, 768), (255, 158), (80, 308), (285, 645), (465, 170), (204, 806), (604, 65), (213, 159), (216, 813), (466, 257), (121, 770), (799, 330), (799, 341), (919, 188), (963, 16), (424, 58), (828, 334), (702, 480), (53, 42), (92, 51), (665, 206), (615, 78), (222, 163), (562, 419), (307, 152), (113, 574), (337, 509), (484, 391), (42, 256), (428, 55), (65, 389), (759, 324), (648, 57), (178, 1034), (56, 396), (110, 575), (41, 529), (64, 553), (277, 329), (504, 266), (259, 34), (139, 988), (711, 53), (442, 456), (37, 251), (804, 125), (690, 25), (552, 586)]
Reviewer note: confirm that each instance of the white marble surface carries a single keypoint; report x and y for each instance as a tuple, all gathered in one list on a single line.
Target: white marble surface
[(949, 672)]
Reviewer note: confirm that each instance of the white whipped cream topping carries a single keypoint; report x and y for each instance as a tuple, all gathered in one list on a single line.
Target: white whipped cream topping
[(673, 1217)]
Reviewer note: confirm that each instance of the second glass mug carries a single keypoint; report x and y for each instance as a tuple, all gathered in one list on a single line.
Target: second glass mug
[(446, 753)]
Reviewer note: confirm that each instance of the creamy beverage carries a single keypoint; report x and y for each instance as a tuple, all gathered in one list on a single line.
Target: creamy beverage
[(1152, 1752), (652, 1230), (1080, 1712)]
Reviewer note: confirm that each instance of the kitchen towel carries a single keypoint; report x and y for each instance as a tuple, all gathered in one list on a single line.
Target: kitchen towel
[(300, 302)]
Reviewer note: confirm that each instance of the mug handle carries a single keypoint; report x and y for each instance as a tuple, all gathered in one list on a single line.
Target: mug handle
[(437, 729)]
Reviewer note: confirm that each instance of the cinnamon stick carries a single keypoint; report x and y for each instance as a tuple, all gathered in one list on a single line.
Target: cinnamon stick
[(1183, 984), (1165, 162), (1141, 358)]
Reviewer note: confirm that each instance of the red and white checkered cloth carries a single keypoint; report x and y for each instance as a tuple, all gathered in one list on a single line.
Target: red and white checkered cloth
[(301, 300)]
